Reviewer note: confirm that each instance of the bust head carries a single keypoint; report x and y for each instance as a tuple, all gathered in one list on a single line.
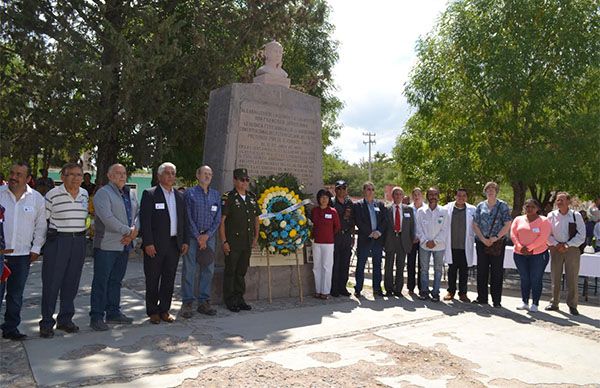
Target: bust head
[(274, 54)]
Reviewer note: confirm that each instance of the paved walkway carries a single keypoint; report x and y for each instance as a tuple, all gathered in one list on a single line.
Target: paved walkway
[(340, 342)]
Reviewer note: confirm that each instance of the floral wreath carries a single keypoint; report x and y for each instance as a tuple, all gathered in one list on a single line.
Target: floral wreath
[(284, 227)]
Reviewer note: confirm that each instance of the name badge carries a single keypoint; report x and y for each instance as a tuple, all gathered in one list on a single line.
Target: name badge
[(28, 209), (376, 209), (213, 208), (407, 215), (535, 230), (328, 216), (159, 206)]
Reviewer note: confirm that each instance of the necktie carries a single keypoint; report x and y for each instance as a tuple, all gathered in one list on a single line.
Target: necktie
[(397, 220)]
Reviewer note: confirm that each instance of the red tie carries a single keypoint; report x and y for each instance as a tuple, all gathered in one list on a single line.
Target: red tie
[(397, 221)]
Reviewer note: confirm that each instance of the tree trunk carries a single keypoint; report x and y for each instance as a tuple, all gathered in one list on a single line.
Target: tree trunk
[(519, 192), (108, 141)]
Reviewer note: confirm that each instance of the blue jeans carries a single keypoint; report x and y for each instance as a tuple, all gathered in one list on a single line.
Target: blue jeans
[(109, 270), (194, 285), (373, 248), (531, 270), (14, 286), (438, 267)]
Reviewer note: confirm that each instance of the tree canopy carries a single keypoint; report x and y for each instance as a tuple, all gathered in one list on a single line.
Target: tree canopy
[(508, 91), (130, 80)]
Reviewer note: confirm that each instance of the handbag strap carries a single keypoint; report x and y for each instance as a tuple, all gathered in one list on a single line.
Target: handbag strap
[(494, 220)]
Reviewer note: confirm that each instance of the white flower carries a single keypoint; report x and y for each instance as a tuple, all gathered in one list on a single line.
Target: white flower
[(264, 210), (271, 248), (289, 196), (269, 197), (266, 222), (299, 241), (282, 224)]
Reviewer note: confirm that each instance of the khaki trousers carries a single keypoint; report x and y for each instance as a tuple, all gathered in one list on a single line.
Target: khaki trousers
[(570, 260)]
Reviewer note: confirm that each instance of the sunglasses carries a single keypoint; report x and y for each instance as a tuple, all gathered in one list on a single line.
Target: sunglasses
[(244, 179)]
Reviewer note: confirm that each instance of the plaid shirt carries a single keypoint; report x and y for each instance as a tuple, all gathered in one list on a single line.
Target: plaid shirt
[(204, 210)]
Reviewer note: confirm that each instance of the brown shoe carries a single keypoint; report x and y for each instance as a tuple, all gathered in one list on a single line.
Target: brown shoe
[(204, 308), (449, 296), (464, 298), (167, 317), (154, 319), (187, 310)]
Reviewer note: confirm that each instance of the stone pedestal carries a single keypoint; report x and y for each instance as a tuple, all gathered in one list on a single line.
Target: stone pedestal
[(267, 129)]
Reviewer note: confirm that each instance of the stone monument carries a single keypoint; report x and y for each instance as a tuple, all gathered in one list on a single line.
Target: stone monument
[(268, 128)]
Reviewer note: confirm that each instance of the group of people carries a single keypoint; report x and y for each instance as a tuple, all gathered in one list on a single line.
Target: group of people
[(174, 225), (419, 233)]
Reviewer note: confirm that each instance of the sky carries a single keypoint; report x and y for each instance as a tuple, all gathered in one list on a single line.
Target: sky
[(376, 52)]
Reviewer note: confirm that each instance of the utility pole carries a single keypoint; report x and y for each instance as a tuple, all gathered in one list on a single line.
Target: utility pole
[(369, 142)]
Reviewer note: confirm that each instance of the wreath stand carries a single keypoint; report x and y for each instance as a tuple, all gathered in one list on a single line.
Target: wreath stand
[(301, 292)]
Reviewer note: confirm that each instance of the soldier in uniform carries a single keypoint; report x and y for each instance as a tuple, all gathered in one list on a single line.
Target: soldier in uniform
[(239, 233), (344, 240)]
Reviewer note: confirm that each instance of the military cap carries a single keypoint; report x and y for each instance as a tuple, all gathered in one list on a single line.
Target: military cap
[(340, 183), (239, 173)]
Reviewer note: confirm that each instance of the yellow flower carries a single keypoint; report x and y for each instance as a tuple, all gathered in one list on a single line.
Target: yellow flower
[(301, 222), (285, 251), (280, 241), (263, 235), (293, 232)]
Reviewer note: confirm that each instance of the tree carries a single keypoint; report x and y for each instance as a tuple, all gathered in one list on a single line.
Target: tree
[(131, 80), (507, 90)]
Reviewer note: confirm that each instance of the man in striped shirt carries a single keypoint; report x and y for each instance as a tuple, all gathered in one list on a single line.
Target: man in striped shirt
[(64, 252)]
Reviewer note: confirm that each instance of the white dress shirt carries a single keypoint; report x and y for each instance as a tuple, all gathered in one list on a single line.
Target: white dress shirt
[(172, 206), (433, 225), (560, 228), (24, 221)]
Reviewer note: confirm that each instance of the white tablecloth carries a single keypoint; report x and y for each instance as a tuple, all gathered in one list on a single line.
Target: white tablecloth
[(589, 265)]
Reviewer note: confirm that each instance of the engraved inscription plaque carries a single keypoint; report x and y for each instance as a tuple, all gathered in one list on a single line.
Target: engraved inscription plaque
[(273, 140)]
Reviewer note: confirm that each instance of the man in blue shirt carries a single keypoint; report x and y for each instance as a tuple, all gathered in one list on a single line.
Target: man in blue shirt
[(204, 216)]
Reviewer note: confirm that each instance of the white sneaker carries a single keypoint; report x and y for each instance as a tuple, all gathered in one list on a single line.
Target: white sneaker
[(523, 306), (533, 308)]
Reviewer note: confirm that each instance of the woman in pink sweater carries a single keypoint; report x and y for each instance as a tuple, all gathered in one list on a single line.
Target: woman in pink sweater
[(530, 233)]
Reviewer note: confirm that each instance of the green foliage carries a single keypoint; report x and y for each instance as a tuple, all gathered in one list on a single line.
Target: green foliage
[(507, 91), (130, 81)]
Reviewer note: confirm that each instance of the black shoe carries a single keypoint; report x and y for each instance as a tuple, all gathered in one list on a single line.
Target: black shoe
[(120, 319), (234, 309), (573, 311), (345, 293), (551, 307), (244, 306), (357, 294), (378, 293), (389, 293), (14, 335), (46, 332), (477, 301), (335, 295), (398, 294), (497, 305), (435, 298), (69, 327), (423, 296)]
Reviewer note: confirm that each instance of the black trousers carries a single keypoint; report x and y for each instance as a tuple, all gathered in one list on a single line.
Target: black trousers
[(160, 273), (459, 266), (342, 252), (490, 269), (394, 256), (234, 283), (413, 268), (61, 271)]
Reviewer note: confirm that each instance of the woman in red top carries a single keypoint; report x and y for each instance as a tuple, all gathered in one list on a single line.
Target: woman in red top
[(530, 234), (326, 224)]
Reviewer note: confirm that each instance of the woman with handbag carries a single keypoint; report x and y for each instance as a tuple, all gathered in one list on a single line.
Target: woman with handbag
[(529, 234), (491, 223)]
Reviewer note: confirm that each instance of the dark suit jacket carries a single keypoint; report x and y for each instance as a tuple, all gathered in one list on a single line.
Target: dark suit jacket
[(407, 222), (363, 220), (155, 224)]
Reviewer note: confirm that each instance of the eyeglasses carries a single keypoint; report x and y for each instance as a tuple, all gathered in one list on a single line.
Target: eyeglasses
[(244, 179)]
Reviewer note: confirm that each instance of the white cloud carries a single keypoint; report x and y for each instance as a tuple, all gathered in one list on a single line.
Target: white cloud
[(377, 40)]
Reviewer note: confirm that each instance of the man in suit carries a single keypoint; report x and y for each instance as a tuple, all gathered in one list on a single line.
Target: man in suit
[(370, 220), (165, 237), (399, 236)]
